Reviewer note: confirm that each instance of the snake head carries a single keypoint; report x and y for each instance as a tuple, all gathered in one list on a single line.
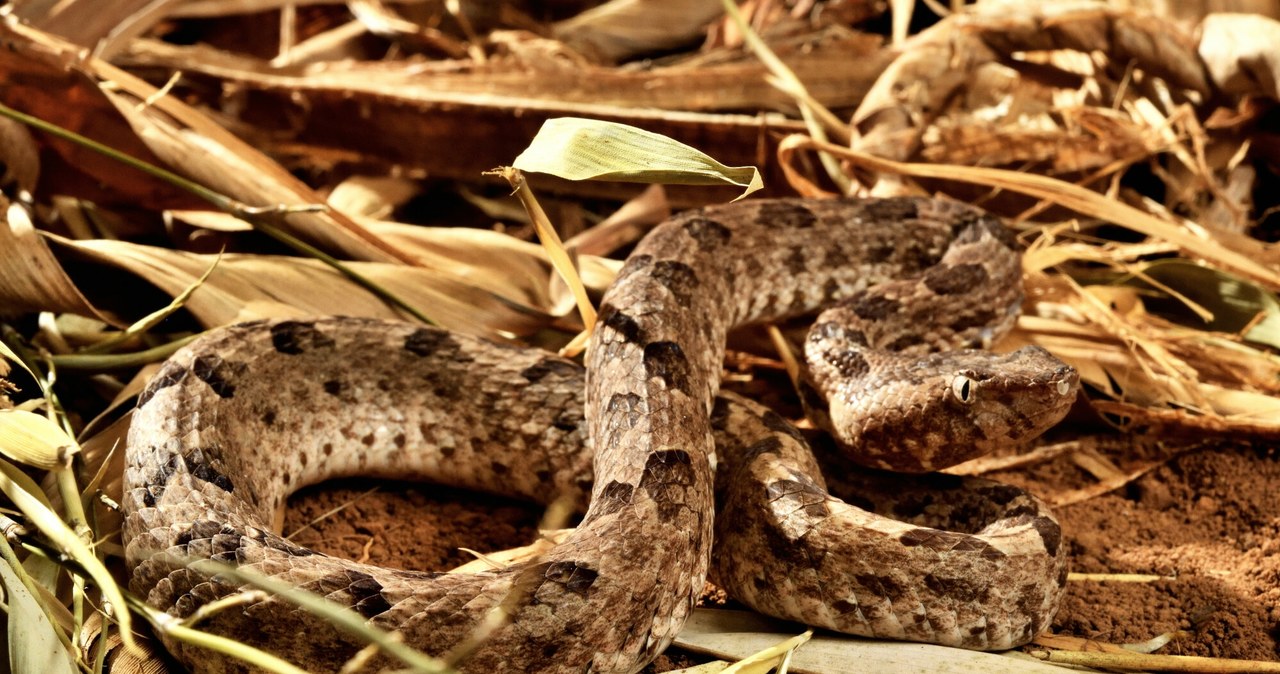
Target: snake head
[(923, 414)]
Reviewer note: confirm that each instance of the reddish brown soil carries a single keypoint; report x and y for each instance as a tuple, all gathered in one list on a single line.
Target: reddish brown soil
[(1208, 520)]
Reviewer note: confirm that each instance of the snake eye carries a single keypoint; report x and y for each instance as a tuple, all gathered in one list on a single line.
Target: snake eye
[(962, 389)]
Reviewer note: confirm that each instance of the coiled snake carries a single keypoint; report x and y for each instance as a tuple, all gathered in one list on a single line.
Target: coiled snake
[(247, 414)]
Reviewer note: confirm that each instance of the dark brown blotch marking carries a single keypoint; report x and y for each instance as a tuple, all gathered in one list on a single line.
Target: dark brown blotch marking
[(295, 337), (624, 325), (708, 233), (669, 466), (630, 405), (569, 420), (198, 531), (882, 586), (786, 214), (677, 277), (874, 307), (955, 279), (774, 422), (1025, 510), (666, 361), (576, 577), (634, 265), (499, 468), (200, 466), (719, 412), (171, 374), (955, 588), (614, 497), (932, 539), (843, 606), (895, 209), (976, 545), (904, 341), (667, 474), (770, 445), (269, 417), (879, 252), (334, 387), (835, 257), (1050, 533), (366, 594), (803, 491), (978, 318), (1001, 494), (551, 366), (797, 261), (848, 362), (280, 544), (217, 373), (427, 341), (969, 224)]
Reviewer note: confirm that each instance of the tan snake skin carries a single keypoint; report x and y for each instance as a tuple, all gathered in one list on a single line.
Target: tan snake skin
[(247, 414)]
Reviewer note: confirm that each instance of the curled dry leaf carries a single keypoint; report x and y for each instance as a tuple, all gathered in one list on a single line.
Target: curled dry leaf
[(942, 60), (619, 29), (31, 278)]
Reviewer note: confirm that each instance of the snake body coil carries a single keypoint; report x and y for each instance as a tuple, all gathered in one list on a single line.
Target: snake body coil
[(247, 414)]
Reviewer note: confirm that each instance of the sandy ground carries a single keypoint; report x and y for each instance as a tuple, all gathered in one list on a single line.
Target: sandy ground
[(1206, 520)]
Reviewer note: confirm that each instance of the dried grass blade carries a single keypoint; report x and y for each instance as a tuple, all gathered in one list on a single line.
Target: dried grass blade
[(27, 496), (1057, 191)]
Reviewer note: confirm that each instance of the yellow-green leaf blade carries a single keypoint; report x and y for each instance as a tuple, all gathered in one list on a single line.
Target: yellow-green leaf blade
[(33, 644), (586, 149), (31, 501), (34, 440)]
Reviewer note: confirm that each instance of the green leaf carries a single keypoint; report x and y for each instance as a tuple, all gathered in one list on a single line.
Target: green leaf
[(1236, 303), (24, 493), (33, 645), (586, 149)]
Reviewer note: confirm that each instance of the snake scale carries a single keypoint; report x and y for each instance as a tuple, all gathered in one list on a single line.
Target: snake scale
[(247, 414)]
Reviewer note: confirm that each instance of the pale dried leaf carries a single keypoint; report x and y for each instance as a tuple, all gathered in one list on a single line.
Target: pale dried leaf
[(287, 286), (620, 29), (31, 278), (371, 196), (1239, 52), (733, 635)]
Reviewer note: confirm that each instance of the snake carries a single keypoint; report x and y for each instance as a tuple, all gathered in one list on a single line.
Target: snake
[(914, 290)]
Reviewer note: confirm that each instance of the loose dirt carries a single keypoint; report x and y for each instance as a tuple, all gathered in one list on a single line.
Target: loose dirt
[(1206, 521)]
